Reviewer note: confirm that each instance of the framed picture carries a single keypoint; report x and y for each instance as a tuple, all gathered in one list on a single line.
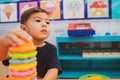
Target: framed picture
[(3, 1), (73, 9), (53, 7), (116, 9), (0, 13), (98, 9), (8, 12), (26, 5)]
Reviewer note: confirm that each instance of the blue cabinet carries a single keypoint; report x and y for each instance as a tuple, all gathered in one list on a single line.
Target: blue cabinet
[(71, 53)]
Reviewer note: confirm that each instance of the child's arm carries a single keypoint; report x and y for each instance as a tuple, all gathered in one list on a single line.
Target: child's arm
[(3, 50), (11, 39), (51, 74)]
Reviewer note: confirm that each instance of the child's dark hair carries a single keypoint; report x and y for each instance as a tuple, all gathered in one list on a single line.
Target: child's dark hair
[(26, 14)]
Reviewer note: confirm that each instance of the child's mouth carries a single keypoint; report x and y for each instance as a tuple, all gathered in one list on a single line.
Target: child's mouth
[(43, 31)]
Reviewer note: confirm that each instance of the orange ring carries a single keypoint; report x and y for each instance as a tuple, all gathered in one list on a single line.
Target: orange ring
[(25, 47)]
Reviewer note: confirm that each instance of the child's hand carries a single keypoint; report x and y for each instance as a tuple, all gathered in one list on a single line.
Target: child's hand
[(11, 39)]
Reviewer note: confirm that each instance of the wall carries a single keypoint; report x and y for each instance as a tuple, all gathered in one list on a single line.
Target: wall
[(59, 28)]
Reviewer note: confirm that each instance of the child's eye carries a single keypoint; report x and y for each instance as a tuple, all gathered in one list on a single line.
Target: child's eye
[(38, 20), (47, 22)]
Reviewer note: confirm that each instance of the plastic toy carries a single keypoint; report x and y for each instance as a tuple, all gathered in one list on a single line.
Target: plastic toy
[(80, 29), (107, 33), (94, 77), (22, 63)]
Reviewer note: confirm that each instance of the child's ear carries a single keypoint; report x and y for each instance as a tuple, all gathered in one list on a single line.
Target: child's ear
[(23, 27)]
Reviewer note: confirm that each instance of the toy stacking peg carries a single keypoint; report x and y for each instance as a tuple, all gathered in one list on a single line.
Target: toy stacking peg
[(23, 61)]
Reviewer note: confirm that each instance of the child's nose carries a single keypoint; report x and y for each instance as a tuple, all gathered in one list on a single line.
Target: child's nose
[(44, 24)]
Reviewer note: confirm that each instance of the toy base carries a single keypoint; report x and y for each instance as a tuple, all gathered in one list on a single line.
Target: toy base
[(81, 32)]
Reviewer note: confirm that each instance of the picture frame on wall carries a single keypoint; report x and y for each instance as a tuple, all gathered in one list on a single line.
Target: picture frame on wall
[(115, 9), (53, 7), (26, 5), (73, 9), (98, 9), (3, 1), (8, 12), (0, 14)]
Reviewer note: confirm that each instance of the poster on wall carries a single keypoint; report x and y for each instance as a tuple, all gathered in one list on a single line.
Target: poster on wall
[(53, 7), (26, 5), (116, 9), (0, 13), (8, 12), (73, 9), (3, 1), (98, 9)]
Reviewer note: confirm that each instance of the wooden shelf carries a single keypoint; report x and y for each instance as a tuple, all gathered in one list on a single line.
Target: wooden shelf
[(74, 65)]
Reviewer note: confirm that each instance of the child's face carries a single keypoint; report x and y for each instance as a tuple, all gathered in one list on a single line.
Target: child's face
[(38, 26)]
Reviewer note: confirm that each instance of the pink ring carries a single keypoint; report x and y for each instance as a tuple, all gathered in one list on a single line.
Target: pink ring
[(23, 73)]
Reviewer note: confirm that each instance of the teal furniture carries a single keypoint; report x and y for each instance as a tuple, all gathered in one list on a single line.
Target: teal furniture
[(70, 53)]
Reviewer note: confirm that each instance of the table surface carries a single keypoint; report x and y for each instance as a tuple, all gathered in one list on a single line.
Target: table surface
[(78, 79), (58, 79)]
